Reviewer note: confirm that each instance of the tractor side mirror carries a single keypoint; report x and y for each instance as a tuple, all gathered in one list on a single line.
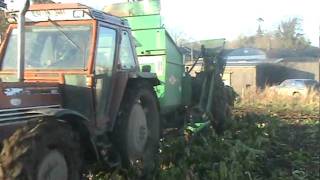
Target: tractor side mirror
[(146, 68)]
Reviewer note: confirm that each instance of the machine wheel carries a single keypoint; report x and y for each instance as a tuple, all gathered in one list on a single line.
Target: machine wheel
[(139, 131), (44, 150)]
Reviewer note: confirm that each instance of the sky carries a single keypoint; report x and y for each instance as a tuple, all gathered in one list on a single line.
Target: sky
[(209, 19)]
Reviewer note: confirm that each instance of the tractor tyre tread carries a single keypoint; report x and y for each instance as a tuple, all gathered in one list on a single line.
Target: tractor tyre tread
[(23, 151)]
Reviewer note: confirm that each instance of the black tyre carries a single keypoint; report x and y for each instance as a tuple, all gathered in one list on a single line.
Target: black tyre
[(138, 131), (43, 150)]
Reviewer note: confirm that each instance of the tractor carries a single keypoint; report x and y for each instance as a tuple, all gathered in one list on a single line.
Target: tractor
[(80, 86)]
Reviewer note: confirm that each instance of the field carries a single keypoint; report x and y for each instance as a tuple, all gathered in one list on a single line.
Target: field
[(271, 137)]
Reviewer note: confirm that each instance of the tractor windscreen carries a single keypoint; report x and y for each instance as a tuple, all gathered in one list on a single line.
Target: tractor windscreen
[(52, 47)]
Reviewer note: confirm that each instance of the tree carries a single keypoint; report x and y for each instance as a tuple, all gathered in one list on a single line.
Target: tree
[(290, 34), (242, 41), (3, 22), (179, 37)]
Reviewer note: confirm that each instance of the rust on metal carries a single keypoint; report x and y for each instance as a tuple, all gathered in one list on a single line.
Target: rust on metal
[(92, 48)]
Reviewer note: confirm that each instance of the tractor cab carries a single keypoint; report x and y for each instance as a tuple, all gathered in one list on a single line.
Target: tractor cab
[(75, 57)]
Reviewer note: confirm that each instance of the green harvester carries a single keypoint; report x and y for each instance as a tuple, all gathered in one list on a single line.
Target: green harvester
[(178, 91), (155, 48)]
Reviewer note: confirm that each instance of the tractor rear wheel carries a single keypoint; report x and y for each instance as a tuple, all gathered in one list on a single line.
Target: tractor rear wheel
[(139, 131), (43, 150)]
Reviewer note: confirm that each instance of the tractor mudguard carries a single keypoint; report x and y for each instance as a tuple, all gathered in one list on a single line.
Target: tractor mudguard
[(150, 77), (80, 124), (60, 113), (124, 79)]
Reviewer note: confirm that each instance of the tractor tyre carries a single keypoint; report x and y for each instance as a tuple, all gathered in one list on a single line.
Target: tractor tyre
[(42, 150), (138, 131)]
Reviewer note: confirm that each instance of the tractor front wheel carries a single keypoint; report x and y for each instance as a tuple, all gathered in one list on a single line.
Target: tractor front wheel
[(43, 150)]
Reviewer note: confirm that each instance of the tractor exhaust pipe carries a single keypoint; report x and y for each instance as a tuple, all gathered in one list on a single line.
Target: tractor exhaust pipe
[(21, 40)]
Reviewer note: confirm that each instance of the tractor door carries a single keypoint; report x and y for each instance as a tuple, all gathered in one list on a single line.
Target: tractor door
[(111, 73), (127, 55), (103, 69), (126, 63)]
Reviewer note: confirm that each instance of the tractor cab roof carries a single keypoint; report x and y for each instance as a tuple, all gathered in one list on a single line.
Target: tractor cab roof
[(67, 12)]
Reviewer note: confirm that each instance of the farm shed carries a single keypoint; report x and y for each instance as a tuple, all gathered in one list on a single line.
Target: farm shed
[(243, 77), (251, 69), (309, 65)]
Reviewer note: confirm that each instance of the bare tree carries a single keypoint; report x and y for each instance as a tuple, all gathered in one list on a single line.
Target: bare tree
[(3, 22), (179, 37), (290, 34)]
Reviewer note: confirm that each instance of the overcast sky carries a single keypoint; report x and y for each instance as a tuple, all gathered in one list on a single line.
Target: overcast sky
[(207, 19)]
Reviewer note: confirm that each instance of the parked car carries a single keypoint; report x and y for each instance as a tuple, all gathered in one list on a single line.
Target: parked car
[(296, 87)]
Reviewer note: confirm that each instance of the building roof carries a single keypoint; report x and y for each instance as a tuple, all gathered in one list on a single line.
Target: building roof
[(246, 54), (300, 59), (309, 52)]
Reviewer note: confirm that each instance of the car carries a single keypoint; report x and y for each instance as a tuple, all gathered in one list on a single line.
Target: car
[(297, 87)]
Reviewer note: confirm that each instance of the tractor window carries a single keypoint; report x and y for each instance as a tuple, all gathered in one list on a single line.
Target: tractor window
[(126, 53), (51, 47), (105, 50)]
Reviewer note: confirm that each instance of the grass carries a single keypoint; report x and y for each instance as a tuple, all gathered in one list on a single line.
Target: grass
[(269, 100)]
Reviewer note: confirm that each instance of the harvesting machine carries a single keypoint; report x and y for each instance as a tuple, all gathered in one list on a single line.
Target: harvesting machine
[(80, 86)]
